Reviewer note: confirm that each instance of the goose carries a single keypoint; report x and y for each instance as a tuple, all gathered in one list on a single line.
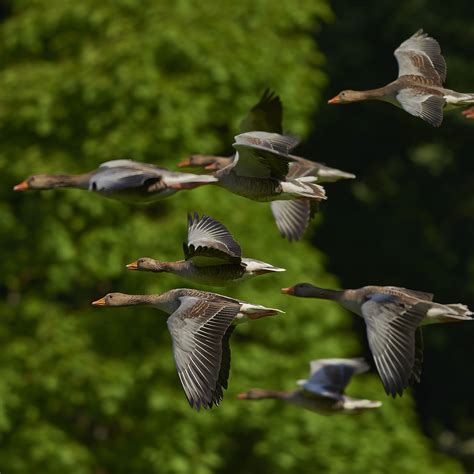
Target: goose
[(259, 172), (298, 165), (324, 391), (200, 324), (392, 317), (419, 88), (291, 217), (121, 179), (212, 256)]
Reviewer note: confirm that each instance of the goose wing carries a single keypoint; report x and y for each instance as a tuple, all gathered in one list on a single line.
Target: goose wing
[(391, 325), (210, 243), (262, 155), (266, 115), (200, 348), (329, 377), (131, 164), (422, 295), (420, 103), (118, 178), (292, 217), (420, 55)]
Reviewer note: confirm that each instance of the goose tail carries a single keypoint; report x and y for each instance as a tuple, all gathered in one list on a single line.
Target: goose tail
[(256, 267), (304, 187), (461, 311), (355, 404)]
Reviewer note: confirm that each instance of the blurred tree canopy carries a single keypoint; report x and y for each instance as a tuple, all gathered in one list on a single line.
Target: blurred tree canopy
[(85, 390)]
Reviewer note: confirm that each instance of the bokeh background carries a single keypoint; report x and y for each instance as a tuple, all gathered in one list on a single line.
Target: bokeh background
[(85, 390)]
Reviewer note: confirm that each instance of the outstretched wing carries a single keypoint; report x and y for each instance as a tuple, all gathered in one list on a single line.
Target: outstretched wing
[(210, 243), (417, 102), (263, 155), (198, 328), (329, 377), (266, 115), (292, 217), (420, 55), (391, 325)]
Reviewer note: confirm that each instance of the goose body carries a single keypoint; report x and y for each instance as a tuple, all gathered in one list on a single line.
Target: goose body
[(122, 179), (323, 392), (419, 88), (200, 324), (212, 257), (393, 317)]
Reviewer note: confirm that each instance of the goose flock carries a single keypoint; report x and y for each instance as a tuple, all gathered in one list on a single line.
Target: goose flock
[(264, 169)]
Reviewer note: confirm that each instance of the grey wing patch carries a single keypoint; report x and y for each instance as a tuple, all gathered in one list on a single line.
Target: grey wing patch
[(210, 243), (274, 142), (266, 115), (422, 295), (262, 155), (198, 328), (331, 376), (291, 217), (136, 165), (420, 55), (391, 326), (119, 179), (420, 104)]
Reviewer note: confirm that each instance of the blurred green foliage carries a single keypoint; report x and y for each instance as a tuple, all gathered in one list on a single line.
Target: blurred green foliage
[(86, 390)]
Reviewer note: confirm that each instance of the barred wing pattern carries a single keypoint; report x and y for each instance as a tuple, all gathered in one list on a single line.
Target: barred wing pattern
[(198, 329), (391, 326), (210, 243)]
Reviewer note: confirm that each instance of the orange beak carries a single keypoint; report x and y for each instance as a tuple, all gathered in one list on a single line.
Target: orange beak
[(184, 163), (469, 113), (133, 265), (242, 396), (100, 302), (22, 186), (288, 291), (334, 100)]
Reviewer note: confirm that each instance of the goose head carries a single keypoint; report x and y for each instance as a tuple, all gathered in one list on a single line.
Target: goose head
[(305, 290), (115, 299), (146, 264), (39, 181), (347, 96)]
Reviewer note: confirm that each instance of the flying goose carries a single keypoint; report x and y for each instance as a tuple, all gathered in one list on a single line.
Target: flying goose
[(121, 179), (200, 324), (419, 88), (212, 256), (291, 217), (392, 317), (324, 391)]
